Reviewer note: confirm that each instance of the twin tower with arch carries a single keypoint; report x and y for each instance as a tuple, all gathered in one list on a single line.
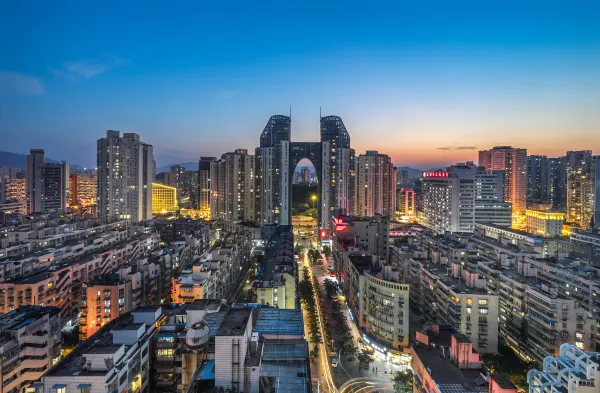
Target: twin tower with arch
[(278, 156)]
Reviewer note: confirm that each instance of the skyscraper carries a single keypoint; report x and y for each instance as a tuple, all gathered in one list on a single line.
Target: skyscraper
[(514, 162), (126, 171), (232, 187), (375, 185), (580, 187), (204, 185), (46, 183), (340, 159), (537, 179)]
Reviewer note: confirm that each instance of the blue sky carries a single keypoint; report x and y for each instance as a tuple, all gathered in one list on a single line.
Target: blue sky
[(426, 82)]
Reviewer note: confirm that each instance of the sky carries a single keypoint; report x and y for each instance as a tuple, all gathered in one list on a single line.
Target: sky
[(427, 82)]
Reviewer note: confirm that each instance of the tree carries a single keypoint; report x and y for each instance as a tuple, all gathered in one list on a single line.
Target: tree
[(365, 358), (403, 381), (327, 251), (300, 250)]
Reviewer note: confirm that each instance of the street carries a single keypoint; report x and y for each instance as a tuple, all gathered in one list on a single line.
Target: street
[(347, 376)]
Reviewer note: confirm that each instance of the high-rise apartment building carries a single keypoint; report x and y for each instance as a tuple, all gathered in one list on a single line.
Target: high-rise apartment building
[(456, 200), (126, 171), (232, 187), (375, 185), (514, 162), (557, 183), (580, 168), (596, 163), (204, 185), (46, 183), (537, 179)]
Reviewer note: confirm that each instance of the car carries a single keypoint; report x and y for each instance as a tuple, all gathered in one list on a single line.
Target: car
[(334, 362)]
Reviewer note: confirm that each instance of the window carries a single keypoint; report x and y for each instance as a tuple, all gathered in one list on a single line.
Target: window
[(168, 352), (483, 302), (469, 301), (483, 311)]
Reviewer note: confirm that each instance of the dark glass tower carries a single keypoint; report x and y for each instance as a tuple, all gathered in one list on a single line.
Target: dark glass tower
[(278, 129)]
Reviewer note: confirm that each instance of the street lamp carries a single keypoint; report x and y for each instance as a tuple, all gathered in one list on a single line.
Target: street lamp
[(319, 385), (313, 198)]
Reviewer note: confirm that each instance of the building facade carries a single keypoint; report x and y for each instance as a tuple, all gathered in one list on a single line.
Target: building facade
[(164, 199), (375, 185), (46, 183), (544, 223), (580, 168), (126, 171), (232, 187), (30, 339), (514, 162)]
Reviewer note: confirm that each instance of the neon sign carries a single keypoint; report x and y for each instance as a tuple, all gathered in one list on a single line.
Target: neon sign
[(436, 174)]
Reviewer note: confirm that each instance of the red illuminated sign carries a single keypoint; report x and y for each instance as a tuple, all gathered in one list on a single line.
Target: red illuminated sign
[(436, 174), (339, 228), (323, 234)]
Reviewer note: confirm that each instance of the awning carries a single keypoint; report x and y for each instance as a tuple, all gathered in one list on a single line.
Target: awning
[(59, 386), (84, 385)]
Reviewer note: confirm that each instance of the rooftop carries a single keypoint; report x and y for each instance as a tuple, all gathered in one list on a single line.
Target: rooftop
[(32, 279), (128, 326), (448, 377), (235, 322), (279, 321), (24, 316)]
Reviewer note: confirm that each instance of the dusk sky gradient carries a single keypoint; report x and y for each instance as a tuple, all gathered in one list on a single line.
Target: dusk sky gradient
[(427, 82)]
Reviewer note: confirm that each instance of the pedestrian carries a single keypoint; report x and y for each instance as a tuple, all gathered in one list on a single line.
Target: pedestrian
[(376, 371)]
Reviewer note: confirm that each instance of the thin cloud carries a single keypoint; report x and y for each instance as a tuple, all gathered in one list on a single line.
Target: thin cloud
[(226, 94), (15, 83), (89, 68), (457, 148)]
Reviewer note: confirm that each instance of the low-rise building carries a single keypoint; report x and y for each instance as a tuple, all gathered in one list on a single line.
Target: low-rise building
[(544, 223), (572, 371), (116, 359), (457, 295), (377, 299), (30, 340)]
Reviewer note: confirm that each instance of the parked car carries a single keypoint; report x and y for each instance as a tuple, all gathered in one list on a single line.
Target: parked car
[(334, 362)]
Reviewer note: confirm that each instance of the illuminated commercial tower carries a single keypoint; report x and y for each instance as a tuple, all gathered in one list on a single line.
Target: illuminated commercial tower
[(232, 187), (580, 168), (375, 185), (125, 176), (514, 162), (46, 183)]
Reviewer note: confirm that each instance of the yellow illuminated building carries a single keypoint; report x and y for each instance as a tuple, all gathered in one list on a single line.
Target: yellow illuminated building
[(164, 198), (544, 223)]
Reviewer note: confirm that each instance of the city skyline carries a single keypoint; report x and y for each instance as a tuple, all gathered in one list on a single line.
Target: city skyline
[(413, 82)]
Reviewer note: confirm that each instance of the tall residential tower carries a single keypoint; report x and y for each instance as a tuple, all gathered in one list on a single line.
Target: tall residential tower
[(126, 171)]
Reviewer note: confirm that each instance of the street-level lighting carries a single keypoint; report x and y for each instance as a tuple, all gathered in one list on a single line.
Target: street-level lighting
[(313, 198)]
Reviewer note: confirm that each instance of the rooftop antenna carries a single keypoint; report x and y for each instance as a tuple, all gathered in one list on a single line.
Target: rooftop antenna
[(290, 111), (320, 116)]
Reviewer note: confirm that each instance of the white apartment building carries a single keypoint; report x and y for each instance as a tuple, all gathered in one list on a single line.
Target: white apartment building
[(125, 175), (571, 371), (457, 295), (30, 339), (377, 299), (117, 360)]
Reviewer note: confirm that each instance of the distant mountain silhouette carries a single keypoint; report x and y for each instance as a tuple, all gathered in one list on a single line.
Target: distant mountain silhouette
[(16, 160), (412, 172)]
